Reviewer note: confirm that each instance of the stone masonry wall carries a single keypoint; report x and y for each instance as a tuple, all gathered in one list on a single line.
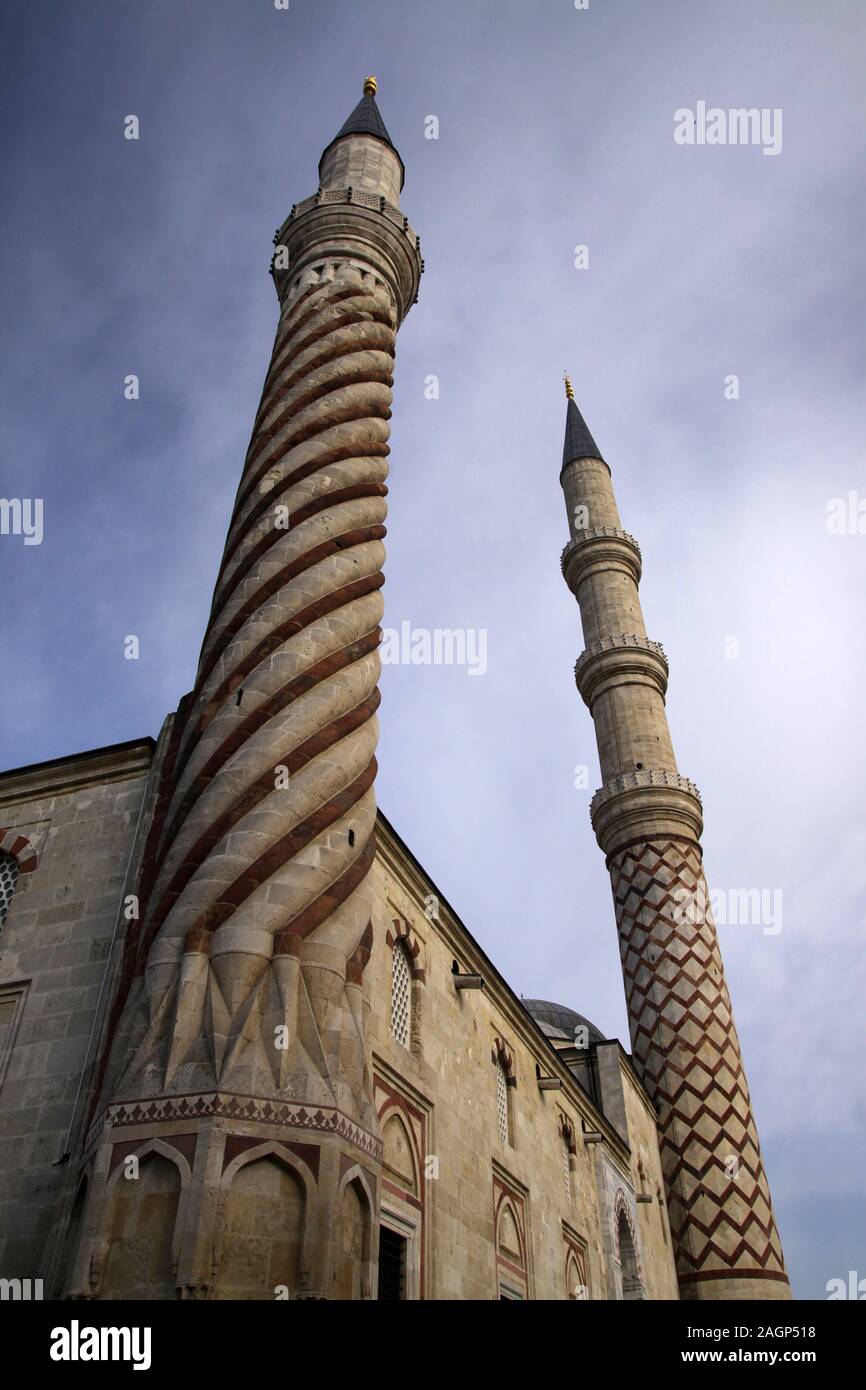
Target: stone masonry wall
[(80, 814), (444, 1085), (484, 1217)]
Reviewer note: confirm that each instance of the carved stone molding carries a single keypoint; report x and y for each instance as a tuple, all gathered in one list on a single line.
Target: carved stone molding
[(600, 548), (343, 224), (356, 196), (645, 802), (255, 1109), (613, 659)]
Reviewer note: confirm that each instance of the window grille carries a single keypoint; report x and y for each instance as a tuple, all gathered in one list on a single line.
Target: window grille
[(502, 1103), (566, 1170), (401, 997), (9, 872)]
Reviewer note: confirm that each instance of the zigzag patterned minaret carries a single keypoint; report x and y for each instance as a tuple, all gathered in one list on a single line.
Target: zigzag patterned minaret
[(245, 1000), (648, 821)]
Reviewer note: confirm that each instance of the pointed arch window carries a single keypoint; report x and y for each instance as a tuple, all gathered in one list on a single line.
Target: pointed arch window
[(401, 996)]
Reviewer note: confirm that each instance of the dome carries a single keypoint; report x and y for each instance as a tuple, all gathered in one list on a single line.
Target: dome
[(557, 1022)]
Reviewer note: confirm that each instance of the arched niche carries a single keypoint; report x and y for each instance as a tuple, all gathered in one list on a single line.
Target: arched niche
[(140, 1262), (260, 1227), (399, 1152), (575, 1282), (351, 1275), (508, 1235), (632, 1288)]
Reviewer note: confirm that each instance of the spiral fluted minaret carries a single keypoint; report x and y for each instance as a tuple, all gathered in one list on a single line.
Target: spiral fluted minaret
[(648, 821), (245, 978)]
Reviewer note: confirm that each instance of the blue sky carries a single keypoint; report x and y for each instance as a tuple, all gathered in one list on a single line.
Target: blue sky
[(555, 129)]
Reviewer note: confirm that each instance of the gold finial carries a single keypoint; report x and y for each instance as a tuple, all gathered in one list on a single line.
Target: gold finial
[(370, 85), (569, 393)]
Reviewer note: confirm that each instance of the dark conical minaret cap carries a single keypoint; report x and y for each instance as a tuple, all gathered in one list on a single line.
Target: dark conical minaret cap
[(579, 443), (366, 119)]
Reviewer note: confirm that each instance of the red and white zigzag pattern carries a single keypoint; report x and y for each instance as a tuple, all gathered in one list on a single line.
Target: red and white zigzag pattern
[(687, 1053)]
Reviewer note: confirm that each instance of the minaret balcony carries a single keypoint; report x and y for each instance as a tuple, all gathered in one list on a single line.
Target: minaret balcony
[(622, 660), (347, 223), (361, 199), (651, 803), (599, 549)]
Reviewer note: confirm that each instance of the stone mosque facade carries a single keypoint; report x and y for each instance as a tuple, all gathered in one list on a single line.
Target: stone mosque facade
[(247, 1048)]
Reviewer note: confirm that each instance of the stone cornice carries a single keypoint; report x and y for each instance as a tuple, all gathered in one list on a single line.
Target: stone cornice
[(118, 762)]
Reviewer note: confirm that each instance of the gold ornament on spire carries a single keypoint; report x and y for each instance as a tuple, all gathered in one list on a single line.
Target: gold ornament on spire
[(569, 391), (370, 85)]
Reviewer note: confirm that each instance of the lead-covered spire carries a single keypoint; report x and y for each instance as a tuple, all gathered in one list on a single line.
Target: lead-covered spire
[(362, 153), (366, 119), (579, 443)]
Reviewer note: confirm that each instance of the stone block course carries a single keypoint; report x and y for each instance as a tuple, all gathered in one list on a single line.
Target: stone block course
[(56, 937), (458, 1084)]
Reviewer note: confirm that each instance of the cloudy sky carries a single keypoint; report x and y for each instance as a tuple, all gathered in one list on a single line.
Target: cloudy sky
[(555, 130)]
